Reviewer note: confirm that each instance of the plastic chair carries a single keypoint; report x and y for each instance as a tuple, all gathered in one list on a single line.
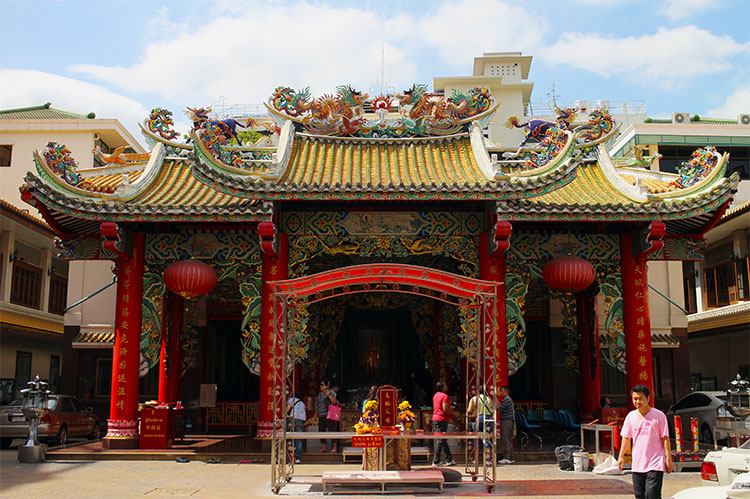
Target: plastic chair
[(549, 416), (567, 424), (527, 429), (533, 416)]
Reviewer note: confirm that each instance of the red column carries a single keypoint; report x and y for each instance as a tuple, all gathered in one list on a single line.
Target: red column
[(589, 375), (170, 364), (492, 268), (274, 268), (636, 319), (122, 430)]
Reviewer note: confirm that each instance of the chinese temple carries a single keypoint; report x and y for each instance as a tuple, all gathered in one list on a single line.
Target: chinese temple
[(349, 179)]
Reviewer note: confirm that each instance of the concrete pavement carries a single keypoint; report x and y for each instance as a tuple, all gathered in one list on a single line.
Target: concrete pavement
[(63, 479)]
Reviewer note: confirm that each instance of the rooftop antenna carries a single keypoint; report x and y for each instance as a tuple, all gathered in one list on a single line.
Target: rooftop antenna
[(381, 86)]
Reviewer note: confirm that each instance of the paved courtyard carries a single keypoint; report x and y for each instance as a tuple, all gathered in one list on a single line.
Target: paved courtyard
[(62, 479)]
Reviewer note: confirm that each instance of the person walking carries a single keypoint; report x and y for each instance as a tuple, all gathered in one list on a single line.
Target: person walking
[(372, 394), (647, 430), (299, 415), (325, 398), (334, 422), (507, 422), (441, 414)]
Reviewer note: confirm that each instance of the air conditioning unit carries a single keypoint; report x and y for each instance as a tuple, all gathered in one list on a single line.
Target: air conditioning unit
[(583, 105), (679, 118), (743, 119)]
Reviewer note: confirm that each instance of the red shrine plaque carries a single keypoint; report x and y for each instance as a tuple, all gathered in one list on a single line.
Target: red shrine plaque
[(156, 429), (367, 441), (388, 406)]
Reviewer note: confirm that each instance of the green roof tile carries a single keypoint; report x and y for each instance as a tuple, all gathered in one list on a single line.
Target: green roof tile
[(44, 112)]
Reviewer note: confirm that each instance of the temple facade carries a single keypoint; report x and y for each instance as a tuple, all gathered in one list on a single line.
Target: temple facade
[(410, 179)]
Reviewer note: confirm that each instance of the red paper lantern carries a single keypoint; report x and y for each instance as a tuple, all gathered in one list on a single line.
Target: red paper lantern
[(569, 274), (190, 278)]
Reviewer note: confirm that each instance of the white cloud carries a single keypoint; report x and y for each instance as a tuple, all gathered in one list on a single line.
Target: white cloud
[(677, 10), (23, 88), (664, 57), (465, 29), (736, 103), (243, 57)]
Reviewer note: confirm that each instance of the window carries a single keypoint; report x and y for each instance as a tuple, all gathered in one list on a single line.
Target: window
[(103, 378), (23, 369), (54, 373), (26, 285), (66, 405), (58, 294), (727, 283), (6, 153), (688, 286), (613, 381)]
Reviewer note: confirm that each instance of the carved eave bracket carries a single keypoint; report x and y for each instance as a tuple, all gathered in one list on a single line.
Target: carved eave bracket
[(269, 241), (116, 240), (500, 238), (649, 239)]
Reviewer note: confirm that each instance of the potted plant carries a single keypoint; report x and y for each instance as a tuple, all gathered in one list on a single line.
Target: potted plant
[(87, 384)]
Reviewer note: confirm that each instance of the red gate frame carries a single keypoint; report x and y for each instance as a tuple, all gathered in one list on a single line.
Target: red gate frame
[(378, 277)]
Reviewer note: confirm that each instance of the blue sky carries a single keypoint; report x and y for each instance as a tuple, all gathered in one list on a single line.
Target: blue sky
[(120, 58)]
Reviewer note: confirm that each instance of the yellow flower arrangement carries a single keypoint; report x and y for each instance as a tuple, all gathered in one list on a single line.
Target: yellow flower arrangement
[(368, 423), (405, 416)]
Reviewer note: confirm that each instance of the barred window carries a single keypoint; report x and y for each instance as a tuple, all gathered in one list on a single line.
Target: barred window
[(26, 285), (58, 294)]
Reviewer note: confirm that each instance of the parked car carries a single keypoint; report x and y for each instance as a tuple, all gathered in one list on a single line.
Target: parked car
[(706, 406), (739, 489), (65, 417), (720, 467)]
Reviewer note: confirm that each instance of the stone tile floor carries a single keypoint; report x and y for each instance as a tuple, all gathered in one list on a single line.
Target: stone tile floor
[(63, 479)]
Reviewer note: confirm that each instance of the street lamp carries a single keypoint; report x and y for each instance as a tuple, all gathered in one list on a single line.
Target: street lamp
[(34, 404)]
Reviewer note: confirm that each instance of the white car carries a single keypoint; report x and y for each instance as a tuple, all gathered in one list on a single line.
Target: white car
[(706, 406), (720, 467), (739, 489)]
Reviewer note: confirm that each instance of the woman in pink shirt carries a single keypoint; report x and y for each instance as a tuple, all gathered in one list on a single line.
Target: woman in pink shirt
[(646, 428)]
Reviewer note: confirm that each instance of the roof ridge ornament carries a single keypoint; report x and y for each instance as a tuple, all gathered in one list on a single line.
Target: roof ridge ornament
[(421, 113)]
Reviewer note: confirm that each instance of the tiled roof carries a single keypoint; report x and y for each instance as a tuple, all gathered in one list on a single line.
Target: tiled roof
[(171, 193), (659, 339), (591, 196), (328, 162), (722, 317), (94, 339), (109, 181), (653, 185), (4, 205), (43, 112)]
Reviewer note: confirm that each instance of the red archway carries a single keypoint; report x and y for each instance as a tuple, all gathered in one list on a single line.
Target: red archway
[(477, 296)]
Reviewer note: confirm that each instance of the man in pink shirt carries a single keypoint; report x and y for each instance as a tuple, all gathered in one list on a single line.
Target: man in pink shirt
[(646, 427)]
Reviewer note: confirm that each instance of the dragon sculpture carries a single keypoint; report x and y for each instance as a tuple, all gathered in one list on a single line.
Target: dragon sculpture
[(119, 157), (160, 123), (422, 113), (538, 128), (600, 124), (59, 160), (700, 165), (227, 126)]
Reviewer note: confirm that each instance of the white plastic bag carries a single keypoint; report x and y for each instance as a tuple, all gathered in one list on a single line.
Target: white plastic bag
[(608, 467)]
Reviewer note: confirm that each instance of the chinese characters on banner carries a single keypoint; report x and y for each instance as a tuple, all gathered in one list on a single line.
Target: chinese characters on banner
[(388, 406)]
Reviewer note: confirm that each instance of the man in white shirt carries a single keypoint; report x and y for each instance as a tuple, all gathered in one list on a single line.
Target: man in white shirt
[(298, 414)]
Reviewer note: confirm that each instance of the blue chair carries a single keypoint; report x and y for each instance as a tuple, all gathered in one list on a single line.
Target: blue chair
[(533, 416), (526, 429), (549, 416), (567, 424)]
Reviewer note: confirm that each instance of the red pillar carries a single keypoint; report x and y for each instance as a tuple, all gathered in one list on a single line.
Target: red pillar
[(274, 268), (170, 363), (589, 373), (122, 430), (492, 268), (636, 319)]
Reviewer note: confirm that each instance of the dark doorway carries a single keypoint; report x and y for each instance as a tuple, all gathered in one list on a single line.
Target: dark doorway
[(234, 382), (379, 347), (531, 380)]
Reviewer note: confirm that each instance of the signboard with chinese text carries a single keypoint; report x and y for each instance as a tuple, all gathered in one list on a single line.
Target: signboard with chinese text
[(375, 441), (388, 406)]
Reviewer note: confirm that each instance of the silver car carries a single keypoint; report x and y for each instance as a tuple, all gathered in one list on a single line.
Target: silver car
[(65, 417), (706, 406)]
